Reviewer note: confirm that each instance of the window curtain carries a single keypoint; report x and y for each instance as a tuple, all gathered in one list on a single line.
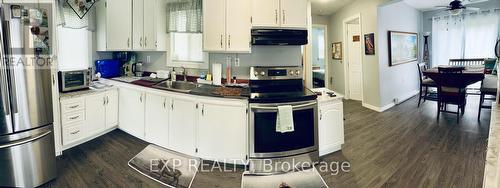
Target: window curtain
[(185, 16), (67, 18), (470, 35)]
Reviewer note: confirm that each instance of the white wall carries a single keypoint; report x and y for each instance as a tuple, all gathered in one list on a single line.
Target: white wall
[(400, 81)]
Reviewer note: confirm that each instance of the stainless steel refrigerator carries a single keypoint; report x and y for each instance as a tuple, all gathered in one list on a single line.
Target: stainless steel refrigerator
[(27, 156)]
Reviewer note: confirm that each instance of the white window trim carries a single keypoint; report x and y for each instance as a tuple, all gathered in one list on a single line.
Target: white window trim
[(186, 64)]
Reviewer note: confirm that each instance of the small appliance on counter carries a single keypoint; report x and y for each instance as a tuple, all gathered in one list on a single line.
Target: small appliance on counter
[(74, 80), (109, 68), (137, 69)]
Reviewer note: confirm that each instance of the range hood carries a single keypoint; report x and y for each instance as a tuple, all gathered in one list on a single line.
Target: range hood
[(279, 37)]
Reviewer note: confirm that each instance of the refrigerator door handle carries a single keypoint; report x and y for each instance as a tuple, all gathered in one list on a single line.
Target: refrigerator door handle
[(23, 141), (11, 74), (4, 90)]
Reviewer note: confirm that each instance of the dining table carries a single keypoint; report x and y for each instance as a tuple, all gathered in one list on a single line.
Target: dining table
[(469, 75)]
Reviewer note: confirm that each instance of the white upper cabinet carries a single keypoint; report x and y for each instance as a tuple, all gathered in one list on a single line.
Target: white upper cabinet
[(265, 13), (138, 24), (131, 102), (131, 25), (226, 26), (214, 25), (279, 13), (118, 24), (238, 25), (157, 113)]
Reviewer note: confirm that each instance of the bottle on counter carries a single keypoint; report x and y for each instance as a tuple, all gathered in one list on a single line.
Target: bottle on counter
[(228, 72), (173, 75)]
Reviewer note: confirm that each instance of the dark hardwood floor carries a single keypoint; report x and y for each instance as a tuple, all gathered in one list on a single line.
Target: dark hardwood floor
[(403, 147)]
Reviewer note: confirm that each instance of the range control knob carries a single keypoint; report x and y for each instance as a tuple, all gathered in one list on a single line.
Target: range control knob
[(256, 73), (297, 72), (262, 73), (291, 73)]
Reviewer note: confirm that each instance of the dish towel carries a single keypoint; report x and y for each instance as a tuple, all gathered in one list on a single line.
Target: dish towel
[(284, 119)]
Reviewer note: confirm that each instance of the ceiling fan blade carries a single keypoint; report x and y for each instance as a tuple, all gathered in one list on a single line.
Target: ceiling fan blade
[(465, 2), (472, 8), (442, 6)]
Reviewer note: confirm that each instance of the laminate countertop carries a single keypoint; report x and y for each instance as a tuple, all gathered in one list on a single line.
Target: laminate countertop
[(492, 164)]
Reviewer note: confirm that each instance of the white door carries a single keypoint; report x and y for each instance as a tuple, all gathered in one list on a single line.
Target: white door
[(214, 23), (119, 24), (182, 124), (132, 112), (238, 25), (266, 13), (156, 124), (330, 127), (112, 108), (354, 62), (222, 131), (149, 24), (294, 13), (138, 24), (95, 110)]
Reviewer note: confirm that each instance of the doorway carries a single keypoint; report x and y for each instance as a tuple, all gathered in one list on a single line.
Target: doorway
[(353, 66), (319, 54)]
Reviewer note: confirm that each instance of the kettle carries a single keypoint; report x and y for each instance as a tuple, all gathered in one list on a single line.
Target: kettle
[(127, 69), (137, 69)]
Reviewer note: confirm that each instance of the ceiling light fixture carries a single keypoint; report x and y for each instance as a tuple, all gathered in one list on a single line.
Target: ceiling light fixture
[(455, 12)]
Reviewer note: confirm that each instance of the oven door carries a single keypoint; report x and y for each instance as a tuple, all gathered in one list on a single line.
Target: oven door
[(265, 142)]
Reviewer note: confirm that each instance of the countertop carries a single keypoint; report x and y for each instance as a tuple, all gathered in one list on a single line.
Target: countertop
[(492, 164), (325, 98), (73, 94)]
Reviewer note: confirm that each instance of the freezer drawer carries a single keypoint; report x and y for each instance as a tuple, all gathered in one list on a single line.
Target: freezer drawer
[(28, 162)]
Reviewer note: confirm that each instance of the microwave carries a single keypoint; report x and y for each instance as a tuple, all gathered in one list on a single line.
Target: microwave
[(74, 80)]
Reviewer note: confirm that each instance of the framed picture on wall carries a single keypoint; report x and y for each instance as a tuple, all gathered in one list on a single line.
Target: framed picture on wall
[(370, 44), (337, 51), (403, 47)]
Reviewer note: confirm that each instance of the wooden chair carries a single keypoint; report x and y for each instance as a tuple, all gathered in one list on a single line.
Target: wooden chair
[(488, 87), (477, 62), (425, 83), (451, 91)]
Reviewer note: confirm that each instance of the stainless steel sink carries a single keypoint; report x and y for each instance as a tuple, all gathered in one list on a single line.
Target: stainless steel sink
[(180, 86)]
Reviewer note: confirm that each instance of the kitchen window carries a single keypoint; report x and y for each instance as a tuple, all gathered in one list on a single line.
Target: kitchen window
[(186, 38)]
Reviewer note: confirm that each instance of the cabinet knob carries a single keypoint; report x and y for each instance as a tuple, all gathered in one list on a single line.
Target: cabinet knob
[(284, 17), (140, 42), (221, 41), (229, 41), (128, 42), (276, 15), (145, 41)]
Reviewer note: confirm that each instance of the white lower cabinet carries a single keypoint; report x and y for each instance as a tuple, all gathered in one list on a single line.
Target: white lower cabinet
[(331, 126), (132, 104), (182, 125), (222, 131), (88, 116), (156, 119)]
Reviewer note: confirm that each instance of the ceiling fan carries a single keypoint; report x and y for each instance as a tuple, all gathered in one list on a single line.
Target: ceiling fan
[(456, 7)]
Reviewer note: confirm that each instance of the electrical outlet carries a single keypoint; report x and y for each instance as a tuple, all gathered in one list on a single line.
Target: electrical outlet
[(237, 62), (148, 59)]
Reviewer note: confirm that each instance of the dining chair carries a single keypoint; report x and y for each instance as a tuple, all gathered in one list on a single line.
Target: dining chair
[(451, 91), (488, 87), (473, 89), (426, 83)]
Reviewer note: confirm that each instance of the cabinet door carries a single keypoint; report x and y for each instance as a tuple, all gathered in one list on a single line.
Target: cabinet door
[(156, 124), (149, 24), (238, 25), (214, 25), (119, 24), (331, 127), (95, 110), (131, 112), (222, 132), (181, 134), (294, 13), (112, 108), (265, 13), (138, 24)]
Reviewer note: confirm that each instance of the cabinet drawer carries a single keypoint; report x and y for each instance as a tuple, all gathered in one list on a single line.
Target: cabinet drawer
[(72, 105), (72, 117), (72, 133)]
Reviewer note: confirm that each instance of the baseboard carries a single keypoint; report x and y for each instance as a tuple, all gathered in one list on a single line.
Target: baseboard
[(402, 99)]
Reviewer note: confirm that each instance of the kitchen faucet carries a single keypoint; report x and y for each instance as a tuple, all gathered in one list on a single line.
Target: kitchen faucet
[(184, 73)]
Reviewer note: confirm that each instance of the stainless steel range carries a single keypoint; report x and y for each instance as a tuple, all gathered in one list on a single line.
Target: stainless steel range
[(271, 87)]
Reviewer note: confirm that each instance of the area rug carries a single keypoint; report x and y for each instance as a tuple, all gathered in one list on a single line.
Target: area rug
[(165, 166), (308, 178)]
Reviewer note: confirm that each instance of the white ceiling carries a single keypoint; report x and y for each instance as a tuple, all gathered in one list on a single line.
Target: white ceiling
[(327, 7), (425, 5)]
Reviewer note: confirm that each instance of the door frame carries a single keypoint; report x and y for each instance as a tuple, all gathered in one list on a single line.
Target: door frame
[(345, 55), (327, 72)]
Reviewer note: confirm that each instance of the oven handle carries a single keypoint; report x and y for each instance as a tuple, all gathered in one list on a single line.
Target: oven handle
[(276, 108)]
